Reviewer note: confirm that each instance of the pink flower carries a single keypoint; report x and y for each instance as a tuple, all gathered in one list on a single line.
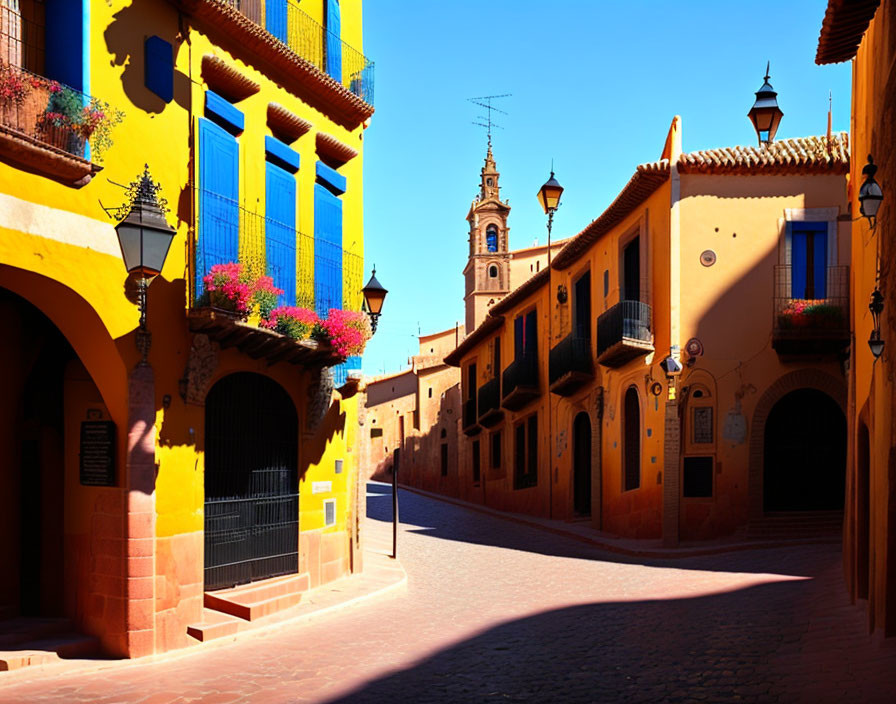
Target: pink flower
[(297, 323), (346, 331), (227, 287)]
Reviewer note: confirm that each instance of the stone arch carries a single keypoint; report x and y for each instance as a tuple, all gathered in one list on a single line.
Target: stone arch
[(800, 379), (82, 327)]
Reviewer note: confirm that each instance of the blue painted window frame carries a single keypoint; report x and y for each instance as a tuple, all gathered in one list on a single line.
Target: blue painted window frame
[(808, 243)]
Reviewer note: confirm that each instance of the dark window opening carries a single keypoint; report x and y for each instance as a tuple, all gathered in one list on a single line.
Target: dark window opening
[(697, 480), (376, 432), (581, 308), (632, 441), (443, 434), (525, 456), (631, 268), (496, 358), (430, 392), (493, 272), (444, 459), (496, 450), (477, 462)]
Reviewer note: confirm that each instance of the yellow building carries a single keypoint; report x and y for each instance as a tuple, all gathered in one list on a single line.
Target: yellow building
[(865, 31), (732, 264), (134, 493)]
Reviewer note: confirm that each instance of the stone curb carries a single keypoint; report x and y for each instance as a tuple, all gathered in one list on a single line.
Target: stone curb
[(650, 553)]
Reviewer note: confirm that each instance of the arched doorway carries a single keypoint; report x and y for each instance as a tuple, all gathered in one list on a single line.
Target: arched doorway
[(251, 481), (804, 466), (631, 441), (581, 432)]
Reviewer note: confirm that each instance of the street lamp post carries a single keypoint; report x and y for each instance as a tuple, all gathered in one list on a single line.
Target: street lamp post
[(870, 193), (765, 113), (374, 297), (145, 238), (549, 198)]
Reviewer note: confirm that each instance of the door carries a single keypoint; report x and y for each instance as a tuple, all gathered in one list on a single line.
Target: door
[(251, 481), (582, 465), (582, 307), (631, 265), (805, 453), (808, 260)]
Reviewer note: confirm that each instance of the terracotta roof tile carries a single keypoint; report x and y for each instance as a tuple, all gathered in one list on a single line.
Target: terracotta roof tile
[(845, 21), (786, 156)]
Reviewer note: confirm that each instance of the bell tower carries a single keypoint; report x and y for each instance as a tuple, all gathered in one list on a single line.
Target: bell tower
[(487, 273)]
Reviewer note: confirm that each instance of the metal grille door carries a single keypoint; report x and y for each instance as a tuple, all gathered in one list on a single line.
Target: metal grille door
[(251, 482)]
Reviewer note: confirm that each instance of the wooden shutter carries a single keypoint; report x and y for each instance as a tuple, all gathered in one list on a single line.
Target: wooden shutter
[(582, 303), (280, 230), (327, 250), (275, 18), (334, 40), (218, 199)]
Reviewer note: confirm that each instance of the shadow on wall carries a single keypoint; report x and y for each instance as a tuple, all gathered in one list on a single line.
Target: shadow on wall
[(125, 37), (722, 647), (445, 521)]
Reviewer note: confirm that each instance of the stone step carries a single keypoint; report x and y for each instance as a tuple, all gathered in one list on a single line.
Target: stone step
[(22, 629), (257, 599), (49, 650), (214, 624)]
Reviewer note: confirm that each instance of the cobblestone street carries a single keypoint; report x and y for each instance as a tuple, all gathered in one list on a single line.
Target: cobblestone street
[(496, 611)]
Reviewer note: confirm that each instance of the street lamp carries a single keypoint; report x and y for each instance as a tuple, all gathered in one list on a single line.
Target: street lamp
[(765, 113), (549, 199), (145, 238), (374, 296), (870, 194), (876, 307)]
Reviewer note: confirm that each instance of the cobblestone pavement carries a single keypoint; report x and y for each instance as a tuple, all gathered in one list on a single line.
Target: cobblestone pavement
[(496, 611)]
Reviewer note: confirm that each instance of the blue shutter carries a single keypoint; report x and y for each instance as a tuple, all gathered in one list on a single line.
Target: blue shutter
[(159, 68), (820, 263), (275, 18), (531, 333), (798, 263), (218, 199), (327, 250), (280, 230), (334, 40)]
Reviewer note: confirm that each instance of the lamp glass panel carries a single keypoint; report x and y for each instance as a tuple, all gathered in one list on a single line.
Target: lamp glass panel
[(374, 300), (155, 249), (129, 239)]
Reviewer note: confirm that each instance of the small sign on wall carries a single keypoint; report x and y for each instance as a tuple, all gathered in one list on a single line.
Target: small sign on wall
[(97, 453), (321, 487)]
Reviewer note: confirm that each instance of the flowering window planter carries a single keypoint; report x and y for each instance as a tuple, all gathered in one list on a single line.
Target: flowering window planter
[(46, 126), (810, 328)]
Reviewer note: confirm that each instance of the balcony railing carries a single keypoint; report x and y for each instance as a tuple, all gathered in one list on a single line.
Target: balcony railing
[(520, 382), (43, 122), (469, 423), (624, 332), (811, 326), (326, 275), (571, 365), (490, 412), (312, 42)]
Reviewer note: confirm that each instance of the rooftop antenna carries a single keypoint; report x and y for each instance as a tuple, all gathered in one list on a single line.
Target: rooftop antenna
[(830, 141), (485, 101)]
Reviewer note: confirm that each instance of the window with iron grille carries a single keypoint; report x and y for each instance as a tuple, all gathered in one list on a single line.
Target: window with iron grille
[(330, 512)]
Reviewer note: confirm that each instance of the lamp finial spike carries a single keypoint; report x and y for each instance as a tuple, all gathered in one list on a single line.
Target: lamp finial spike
[(768, 65)]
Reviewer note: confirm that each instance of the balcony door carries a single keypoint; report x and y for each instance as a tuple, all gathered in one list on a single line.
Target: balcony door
[(280, 230), (631, 270), (219, 223), (582, 465), (808, 260), (582, 307)]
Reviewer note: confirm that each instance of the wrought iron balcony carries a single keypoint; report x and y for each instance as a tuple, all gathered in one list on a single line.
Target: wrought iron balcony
[(311, 42), (571, 365), (624, 332), (51, 128), (469, 424), (811, 326), (313, 274), (490, 412), (520, 382)]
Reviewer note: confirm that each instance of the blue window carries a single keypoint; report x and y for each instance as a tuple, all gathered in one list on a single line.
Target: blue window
[(275, 18), (491, 238), (218, 199), (808, 259), (67, 42), (159, 68), (334, 40), (327, 250), (280, 230)]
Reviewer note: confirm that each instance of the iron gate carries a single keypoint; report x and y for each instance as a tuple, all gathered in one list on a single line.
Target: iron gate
[(251, 481)]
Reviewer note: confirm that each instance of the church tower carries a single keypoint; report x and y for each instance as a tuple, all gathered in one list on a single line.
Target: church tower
[(487, 273)]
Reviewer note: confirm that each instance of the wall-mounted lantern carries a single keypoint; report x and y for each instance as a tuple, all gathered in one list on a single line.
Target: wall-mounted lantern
[(562, 294), (876, 306), (145, 238), (870, 194), (765, 113), (374, 296)]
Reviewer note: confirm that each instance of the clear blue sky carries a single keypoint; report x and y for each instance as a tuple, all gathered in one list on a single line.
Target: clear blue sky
[(595, 85)]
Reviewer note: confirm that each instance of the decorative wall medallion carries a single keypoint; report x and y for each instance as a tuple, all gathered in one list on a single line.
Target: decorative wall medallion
[(694, 348), (707, 257)]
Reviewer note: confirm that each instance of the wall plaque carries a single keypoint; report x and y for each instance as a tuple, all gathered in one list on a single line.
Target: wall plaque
[(703, 425), (97, 455), (321, 487)]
